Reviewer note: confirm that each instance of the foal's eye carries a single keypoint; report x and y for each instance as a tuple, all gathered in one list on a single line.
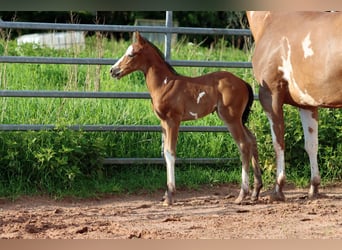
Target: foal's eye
[(131, 55)]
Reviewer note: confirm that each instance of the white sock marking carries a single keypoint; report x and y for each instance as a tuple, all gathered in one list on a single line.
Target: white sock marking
[(170, 169), (280, 164), (310, 128)]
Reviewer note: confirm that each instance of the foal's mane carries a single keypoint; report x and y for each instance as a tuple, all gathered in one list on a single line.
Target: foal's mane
[(161, 55)]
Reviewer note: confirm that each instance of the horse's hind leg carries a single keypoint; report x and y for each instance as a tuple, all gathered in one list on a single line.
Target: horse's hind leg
[(237, 131), (273, 107), (256, 167), (310, 127), (247, 146), (170, 132)]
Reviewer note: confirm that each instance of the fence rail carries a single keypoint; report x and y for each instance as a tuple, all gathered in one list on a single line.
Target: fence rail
[(122, 28), (167, 30), (104, 61)]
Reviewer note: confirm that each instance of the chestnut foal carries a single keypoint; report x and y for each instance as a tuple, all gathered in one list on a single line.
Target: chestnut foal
[(177, 98)]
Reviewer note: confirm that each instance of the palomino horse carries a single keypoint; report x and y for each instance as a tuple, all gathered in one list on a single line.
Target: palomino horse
[(298, 61), (177, 98)]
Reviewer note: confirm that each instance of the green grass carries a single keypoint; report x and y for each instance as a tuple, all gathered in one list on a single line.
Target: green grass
[(68, 163)]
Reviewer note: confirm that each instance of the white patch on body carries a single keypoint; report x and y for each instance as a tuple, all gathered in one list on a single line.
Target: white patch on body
[(165, 80), (170, 165), (306, 45), (287, 70), (200, 95), (194, 114), (286, 67)]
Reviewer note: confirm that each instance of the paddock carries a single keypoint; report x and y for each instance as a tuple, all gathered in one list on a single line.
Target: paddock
[(206, 213)]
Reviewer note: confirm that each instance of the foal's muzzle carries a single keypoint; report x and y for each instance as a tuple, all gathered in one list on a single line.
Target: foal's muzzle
[(115, 72)]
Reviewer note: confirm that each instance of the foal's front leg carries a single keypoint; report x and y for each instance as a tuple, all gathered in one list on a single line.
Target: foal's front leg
[(170, 133)]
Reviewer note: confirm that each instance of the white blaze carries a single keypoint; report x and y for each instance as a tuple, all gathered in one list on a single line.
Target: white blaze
[(129, 51)]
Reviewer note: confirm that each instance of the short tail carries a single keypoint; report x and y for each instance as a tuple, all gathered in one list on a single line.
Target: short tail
[(249, 104)]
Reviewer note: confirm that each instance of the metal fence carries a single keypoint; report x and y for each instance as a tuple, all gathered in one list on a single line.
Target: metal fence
[(168, 30)]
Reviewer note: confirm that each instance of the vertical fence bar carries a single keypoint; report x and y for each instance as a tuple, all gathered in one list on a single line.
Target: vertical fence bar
[(167, 53), (168, 35)]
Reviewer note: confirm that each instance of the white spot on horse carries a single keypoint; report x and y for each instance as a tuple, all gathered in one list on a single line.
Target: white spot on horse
[(305, 98), (286, 67), (200, 95), (165, 80), (288, 76), (194, 114), (306, 45)]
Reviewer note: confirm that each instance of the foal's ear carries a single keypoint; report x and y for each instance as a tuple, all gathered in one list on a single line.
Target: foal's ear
[(138, 38)]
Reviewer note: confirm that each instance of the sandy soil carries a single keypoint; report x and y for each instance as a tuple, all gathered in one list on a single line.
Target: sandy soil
[(205, 213)]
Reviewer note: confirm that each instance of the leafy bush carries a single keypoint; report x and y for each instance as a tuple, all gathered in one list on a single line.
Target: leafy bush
[(48, 161)]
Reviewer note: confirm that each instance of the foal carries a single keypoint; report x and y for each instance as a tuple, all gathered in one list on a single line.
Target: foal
[(177, 98)]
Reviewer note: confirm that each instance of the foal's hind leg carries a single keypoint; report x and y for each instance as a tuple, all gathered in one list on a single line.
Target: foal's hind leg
[(237, 131), (256, 167), (246, 143), (170, 134)]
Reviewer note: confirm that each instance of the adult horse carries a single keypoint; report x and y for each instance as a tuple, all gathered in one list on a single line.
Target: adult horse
[(298, 61), (177, 98)]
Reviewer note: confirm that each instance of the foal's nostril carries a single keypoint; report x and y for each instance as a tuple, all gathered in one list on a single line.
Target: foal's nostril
[(115, 72)]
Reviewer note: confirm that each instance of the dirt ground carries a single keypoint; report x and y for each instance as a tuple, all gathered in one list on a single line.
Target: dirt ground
[(208, 213)]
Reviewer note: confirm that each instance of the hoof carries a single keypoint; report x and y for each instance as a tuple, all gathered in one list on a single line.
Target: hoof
[(238, 201), (167, 199), (277, 196), (254, 197), (313, 192), (256, 192), (241, 197)]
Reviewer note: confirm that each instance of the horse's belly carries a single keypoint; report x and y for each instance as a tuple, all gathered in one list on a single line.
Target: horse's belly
[(317, 96)]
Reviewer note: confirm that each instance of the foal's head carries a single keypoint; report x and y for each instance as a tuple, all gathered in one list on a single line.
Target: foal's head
[(134, 58)]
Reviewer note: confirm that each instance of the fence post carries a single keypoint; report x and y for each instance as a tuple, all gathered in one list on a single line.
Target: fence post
[(168, 35), (167, 53)]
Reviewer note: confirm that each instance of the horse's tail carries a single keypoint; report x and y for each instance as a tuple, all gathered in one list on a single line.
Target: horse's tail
[(249, 104)]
